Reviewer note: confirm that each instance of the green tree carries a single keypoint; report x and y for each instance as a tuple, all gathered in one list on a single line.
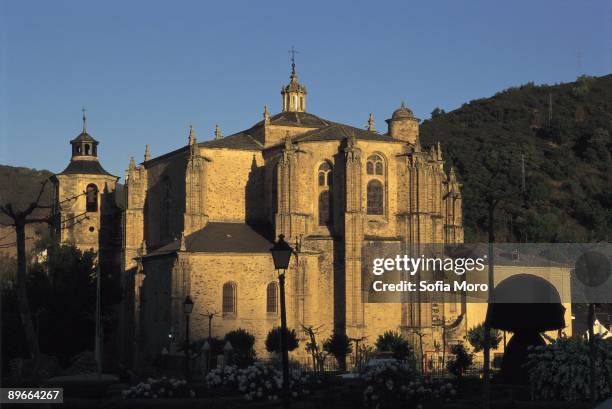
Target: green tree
[(339, 345), (61, 289), (476, 337), (460, 361), (396, 344), (243, 344), (273, 342)]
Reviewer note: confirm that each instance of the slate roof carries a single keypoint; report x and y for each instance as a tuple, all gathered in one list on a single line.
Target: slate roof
[(325, 131), (340, 132), (303, 119), (84, 136), (218, 237), (89, 167), (240, 140)]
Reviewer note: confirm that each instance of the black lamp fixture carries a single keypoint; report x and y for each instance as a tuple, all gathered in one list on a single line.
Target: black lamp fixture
[(187, 309), (188, 305), (281, 253)]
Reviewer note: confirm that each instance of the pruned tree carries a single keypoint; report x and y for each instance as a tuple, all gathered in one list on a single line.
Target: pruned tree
[(318, 355), (19, 220)]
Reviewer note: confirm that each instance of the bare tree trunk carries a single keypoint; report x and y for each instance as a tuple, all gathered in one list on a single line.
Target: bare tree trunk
[(592, 382), (22, 298)]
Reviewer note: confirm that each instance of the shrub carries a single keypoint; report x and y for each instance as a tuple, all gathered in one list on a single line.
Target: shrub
[(461, 361), (159, 388), (560, 370), (258, 381), (216, 346), (242, 342), (273, 342), (339, 345), (394, 385), (395, 343)]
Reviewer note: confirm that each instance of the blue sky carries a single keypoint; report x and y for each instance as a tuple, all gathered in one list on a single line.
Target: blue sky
[(145, 70)]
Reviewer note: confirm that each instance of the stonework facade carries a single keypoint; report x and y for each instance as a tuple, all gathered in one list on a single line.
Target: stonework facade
[(200, 221)]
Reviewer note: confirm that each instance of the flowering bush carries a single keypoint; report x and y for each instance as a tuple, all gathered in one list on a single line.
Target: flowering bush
[(391, 385), (159, 388), (560, 370), (258, 381)]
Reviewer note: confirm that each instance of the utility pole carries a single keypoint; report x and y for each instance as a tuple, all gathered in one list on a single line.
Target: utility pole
[(98, 335)]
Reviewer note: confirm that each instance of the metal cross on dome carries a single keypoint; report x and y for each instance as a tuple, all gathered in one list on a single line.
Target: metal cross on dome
[(293, 52)]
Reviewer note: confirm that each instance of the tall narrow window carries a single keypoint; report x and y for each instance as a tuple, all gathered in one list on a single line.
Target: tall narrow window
[(91, 197), (375, 172), (324, 182), (375, 197), (375, 166), (272, 298), (324, 208), (229, 298)]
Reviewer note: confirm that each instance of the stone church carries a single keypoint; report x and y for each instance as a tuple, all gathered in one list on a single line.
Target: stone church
[(200, 221)]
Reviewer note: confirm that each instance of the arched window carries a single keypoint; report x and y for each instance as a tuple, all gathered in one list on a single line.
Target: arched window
[(325, 174), (91, 197), (374, 166), (375, 197), (272, 298), (229, 298), (325, 181), (375, 170), (324, 208), (86, 149)]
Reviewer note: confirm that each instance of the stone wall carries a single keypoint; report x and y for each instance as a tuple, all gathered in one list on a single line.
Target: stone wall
[(234, 185)]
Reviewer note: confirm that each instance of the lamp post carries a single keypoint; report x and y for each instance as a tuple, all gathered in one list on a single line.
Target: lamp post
[(187, 309), (281, 254)]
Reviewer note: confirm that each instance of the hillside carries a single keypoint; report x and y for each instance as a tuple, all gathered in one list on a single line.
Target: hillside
[(562, 132), (20, 186)]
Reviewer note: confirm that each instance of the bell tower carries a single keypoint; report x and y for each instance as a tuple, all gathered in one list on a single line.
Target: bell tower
[(294, 93), (84, 198)]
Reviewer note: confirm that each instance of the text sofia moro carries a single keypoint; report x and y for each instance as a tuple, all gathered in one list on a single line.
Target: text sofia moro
[(412, 265)]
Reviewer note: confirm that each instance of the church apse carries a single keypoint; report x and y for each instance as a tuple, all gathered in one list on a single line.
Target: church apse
[(215, 206)]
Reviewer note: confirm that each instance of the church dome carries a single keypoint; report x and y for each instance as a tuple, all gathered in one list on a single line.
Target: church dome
[(84, 137), (402, 113)]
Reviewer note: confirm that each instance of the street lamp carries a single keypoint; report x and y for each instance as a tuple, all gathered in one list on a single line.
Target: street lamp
[(281, 254), (187, 309)]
